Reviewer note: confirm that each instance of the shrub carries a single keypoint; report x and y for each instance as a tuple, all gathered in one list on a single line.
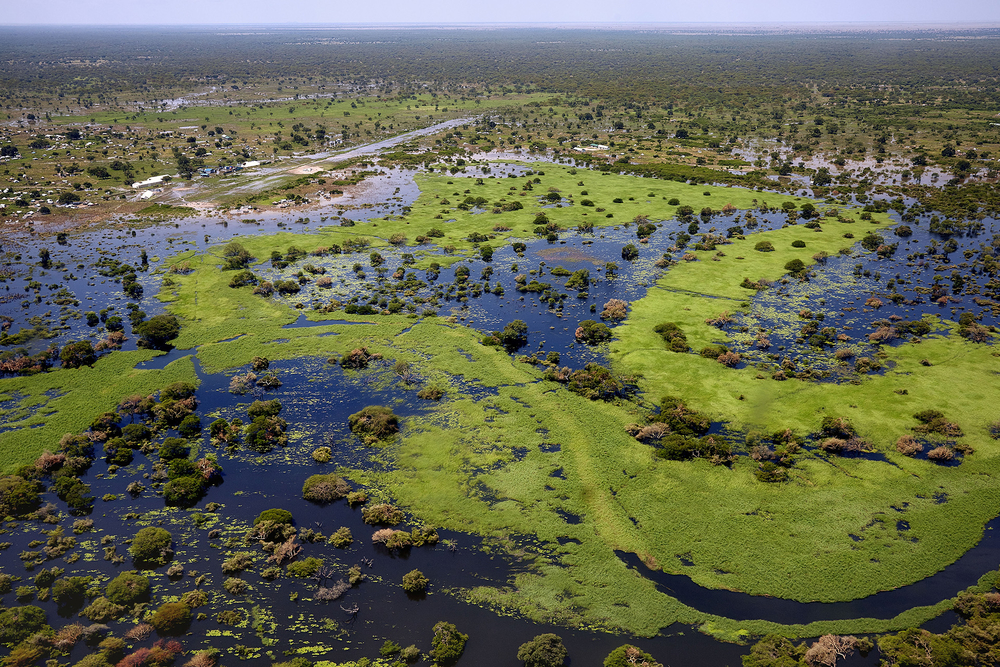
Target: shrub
[(322, 455), (151, 547), (448, 643), (183, 491), (513, 336), (342, 538), (80, 353), (431, 393), (382, 513), (19, 623), (908, 445), (70, 590), (795, 266), (102, 610), (305, 568), (592, 332), (157, 331), (190, 426), (615, 309), (19, 496), (278, 516), (235, 256), (264, 409), (630, 252), (243, 279), (174, 448), (628, 655), (375, 421), (128, 588), (673, 336), (414, 581), (266, 432), (324, 488), (941, 453), (171, 618), (544, 650), (764, 246), (798, 244)]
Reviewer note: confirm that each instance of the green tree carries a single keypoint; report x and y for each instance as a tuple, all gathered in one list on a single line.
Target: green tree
[(151, 546), (157, 331), (544, 650), (448, 643), (414, 581), (80, 353), (128, 588)]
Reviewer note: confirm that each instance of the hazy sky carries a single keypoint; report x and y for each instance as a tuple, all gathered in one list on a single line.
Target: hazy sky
[(507, 11)]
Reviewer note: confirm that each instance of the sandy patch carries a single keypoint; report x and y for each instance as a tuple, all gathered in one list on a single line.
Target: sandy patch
[(305, 170)]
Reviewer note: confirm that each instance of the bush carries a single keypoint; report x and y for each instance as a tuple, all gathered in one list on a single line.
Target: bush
[(305, 568), (907, 445), (798, 244), (71, 590), (275, 515), (513, 336), (382, 513), (448, 643), (264, 409), (376, 421), (764, 246), (19, 496), (324, 488), (171, 618), (183, 491), (128, 588), (19, 623), (80, 353), (102, 610), (673, 336), (795, 266), (235, 256), (431, 393), (190, 426), (151, 547), (592, 332), (414, 581), (544, 650), (342, 538), (630, 252), (174, 448), (628, 655), (157, 331)]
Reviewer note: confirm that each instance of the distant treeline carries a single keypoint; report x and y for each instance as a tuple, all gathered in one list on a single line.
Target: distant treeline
[(638, 65)]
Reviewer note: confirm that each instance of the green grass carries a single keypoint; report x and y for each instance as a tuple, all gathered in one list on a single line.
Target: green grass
[(84, 393)]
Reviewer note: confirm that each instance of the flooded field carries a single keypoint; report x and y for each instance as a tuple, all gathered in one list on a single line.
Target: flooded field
[(87, 286)]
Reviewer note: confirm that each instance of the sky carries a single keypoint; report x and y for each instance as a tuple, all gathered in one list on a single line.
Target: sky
[(311, 12)]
